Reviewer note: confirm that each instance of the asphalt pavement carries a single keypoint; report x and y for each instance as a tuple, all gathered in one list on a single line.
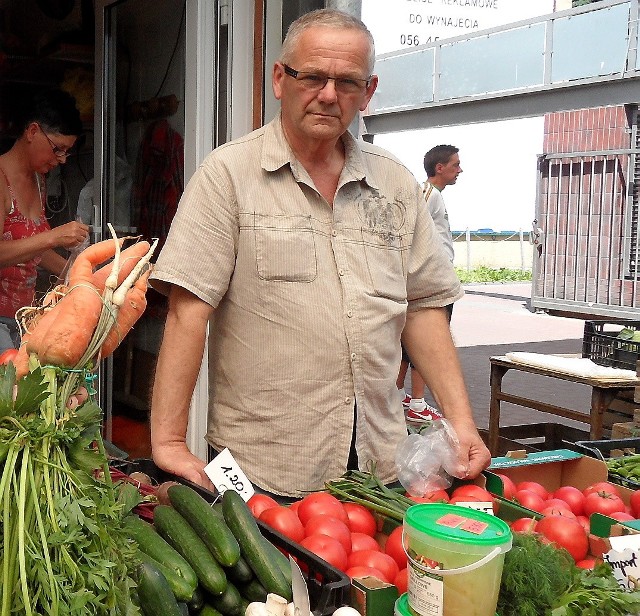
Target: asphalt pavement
[(494, 319)]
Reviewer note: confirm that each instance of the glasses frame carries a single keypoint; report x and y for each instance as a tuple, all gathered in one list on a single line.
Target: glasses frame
[(58, 152), (292, 72)]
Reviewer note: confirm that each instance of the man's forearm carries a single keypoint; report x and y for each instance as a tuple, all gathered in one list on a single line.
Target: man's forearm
[(177, 369), (427, 339)]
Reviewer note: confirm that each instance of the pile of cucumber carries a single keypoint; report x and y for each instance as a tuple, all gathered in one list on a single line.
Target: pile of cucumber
[(204, 559)]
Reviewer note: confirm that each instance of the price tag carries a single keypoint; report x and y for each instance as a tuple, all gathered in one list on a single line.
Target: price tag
[(483, 506), (225, 474)]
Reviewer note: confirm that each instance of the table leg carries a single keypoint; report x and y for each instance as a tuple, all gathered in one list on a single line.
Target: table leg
[(601, 399), (495, 379)]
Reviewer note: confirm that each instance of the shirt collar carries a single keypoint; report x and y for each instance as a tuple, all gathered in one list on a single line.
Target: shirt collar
[(276, 153)]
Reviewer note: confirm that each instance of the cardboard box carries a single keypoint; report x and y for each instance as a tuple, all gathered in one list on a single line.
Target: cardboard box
[(552, 469), (629, 429), (372, 597)]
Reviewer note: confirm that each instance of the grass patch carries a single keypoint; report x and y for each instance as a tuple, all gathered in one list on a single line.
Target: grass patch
[(487, 274)]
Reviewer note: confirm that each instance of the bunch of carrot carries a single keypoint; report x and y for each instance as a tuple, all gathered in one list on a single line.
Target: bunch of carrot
[(61, 546)]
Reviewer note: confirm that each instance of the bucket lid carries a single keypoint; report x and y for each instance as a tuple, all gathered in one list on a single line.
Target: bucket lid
[(442, 521), (402, 606)]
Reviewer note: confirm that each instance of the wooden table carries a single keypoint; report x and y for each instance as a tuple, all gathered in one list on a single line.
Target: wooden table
[(603, 391)]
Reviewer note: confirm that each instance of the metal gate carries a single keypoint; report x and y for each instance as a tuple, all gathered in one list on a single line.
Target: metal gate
[(587, 228)]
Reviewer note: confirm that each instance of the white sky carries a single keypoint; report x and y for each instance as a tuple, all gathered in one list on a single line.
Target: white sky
[(498, 185)]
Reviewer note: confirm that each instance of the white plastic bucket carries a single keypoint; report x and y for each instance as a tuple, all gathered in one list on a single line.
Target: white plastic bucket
[(455, 560)]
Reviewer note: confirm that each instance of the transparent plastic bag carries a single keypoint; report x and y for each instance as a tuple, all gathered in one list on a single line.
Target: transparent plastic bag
[(427, 460), (73, 253)]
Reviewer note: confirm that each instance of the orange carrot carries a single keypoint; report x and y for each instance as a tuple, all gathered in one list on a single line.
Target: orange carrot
[(72, 323), (134, 304)]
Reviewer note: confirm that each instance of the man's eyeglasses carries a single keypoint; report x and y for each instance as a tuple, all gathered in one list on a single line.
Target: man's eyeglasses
[(58, 152), (317, 81)]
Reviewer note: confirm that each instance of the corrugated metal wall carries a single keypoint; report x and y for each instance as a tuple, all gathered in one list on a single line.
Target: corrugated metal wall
[(586, 208)]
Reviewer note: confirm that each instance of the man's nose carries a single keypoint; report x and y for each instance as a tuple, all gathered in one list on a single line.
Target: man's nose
[(329, 92)]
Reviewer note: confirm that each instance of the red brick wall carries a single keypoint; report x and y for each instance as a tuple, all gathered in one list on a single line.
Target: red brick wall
[(586, 130)]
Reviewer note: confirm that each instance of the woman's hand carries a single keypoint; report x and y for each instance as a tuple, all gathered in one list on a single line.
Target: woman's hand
[(71, 234)]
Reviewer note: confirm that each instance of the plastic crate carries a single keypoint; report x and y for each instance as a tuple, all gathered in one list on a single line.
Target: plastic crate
[(602, 450), (329, 588), (601, 344)]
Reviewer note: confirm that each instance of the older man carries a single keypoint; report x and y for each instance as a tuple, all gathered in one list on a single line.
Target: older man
[(311, 252)]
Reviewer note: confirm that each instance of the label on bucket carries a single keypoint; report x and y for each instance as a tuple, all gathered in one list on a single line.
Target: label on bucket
[(425, 592)]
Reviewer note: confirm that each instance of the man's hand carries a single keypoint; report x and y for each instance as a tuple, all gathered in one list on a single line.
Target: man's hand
[(176, 459), (473, 456)]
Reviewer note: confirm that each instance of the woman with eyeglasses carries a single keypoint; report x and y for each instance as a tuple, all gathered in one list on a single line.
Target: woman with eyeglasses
[(48, 131)]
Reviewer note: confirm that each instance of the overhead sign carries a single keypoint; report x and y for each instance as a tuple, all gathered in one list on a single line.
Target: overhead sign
[(398, 24)]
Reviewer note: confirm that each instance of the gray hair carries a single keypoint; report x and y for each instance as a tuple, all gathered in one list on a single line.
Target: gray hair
[(325, 18)]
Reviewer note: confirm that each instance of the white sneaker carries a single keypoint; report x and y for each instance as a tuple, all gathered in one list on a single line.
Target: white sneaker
[(417, 404)]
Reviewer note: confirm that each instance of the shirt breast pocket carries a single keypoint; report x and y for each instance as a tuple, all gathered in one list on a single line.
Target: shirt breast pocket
[(285, 248), (385, 257)]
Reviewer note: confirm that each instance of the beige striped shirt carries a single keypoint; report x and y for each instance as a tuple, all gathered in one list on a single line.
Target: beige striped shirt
[(310, 301)]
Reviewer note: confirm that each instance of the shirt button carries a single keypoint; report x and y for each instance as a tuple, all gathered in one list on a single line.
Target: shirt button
[(349, 313), (334, 232), (340, 272), (347, 400), (353, 356)]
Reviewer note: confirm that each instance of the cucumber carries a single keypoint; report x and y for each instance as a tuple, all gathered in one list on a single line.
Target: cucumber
[(178, 532), (253, 591), (208, 610), (240, 573), (197, 601), (229, 602), (282, 561), (154, 592), (210, 526), (184, 608), (152, 544), (182, 590), (253, 546)]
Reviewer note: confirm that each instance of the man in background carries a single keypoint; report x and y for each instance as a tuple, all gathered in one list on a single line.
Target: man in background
[(442, 164)]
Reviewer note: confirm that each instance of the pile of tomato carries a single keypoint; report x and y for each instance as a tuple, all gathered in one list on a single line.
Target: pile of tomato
[(567, 510), (343, 534)]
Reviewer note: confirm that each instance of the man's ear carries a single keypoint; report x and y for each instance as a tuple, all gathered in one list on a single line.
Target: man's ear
[(277, 76)]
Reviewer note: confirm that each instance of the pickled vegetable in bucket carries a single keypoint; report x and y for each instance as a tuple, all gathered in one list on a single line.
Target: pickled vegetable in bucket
[(455, 560)]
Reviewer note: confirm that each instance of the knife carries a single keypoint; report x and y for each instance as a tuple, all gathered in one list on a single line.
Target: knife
[(300, 590)]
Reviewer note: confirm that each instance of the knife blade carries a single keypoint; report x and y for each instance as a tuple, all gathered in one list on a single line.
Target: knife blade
[(300, 590)]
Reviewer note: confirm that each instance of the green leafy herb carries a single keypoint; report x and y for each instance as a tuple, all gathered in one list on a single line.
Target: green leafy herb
[(534, 574), (596, 593)]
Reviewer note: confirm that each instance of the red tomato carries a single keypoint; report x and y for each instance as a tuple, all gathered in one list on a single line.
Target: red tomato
[(328, 549), (361, 520), (586, 563), (294, 506), (634, 502), (508, 487), (378, 560), (437, 496), (471, 489), (361, 571), (558, 503), (529, 499), (318, 503), (284, 521), (328, 525), (564, 511), (259, 502), (401, 581), (584, 522), (602, 486), (7, 356), (566, 533), (621, 516), (533, 486), (394, 548), (523, 525), (573, 497), (602, 502), (360, 541)]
